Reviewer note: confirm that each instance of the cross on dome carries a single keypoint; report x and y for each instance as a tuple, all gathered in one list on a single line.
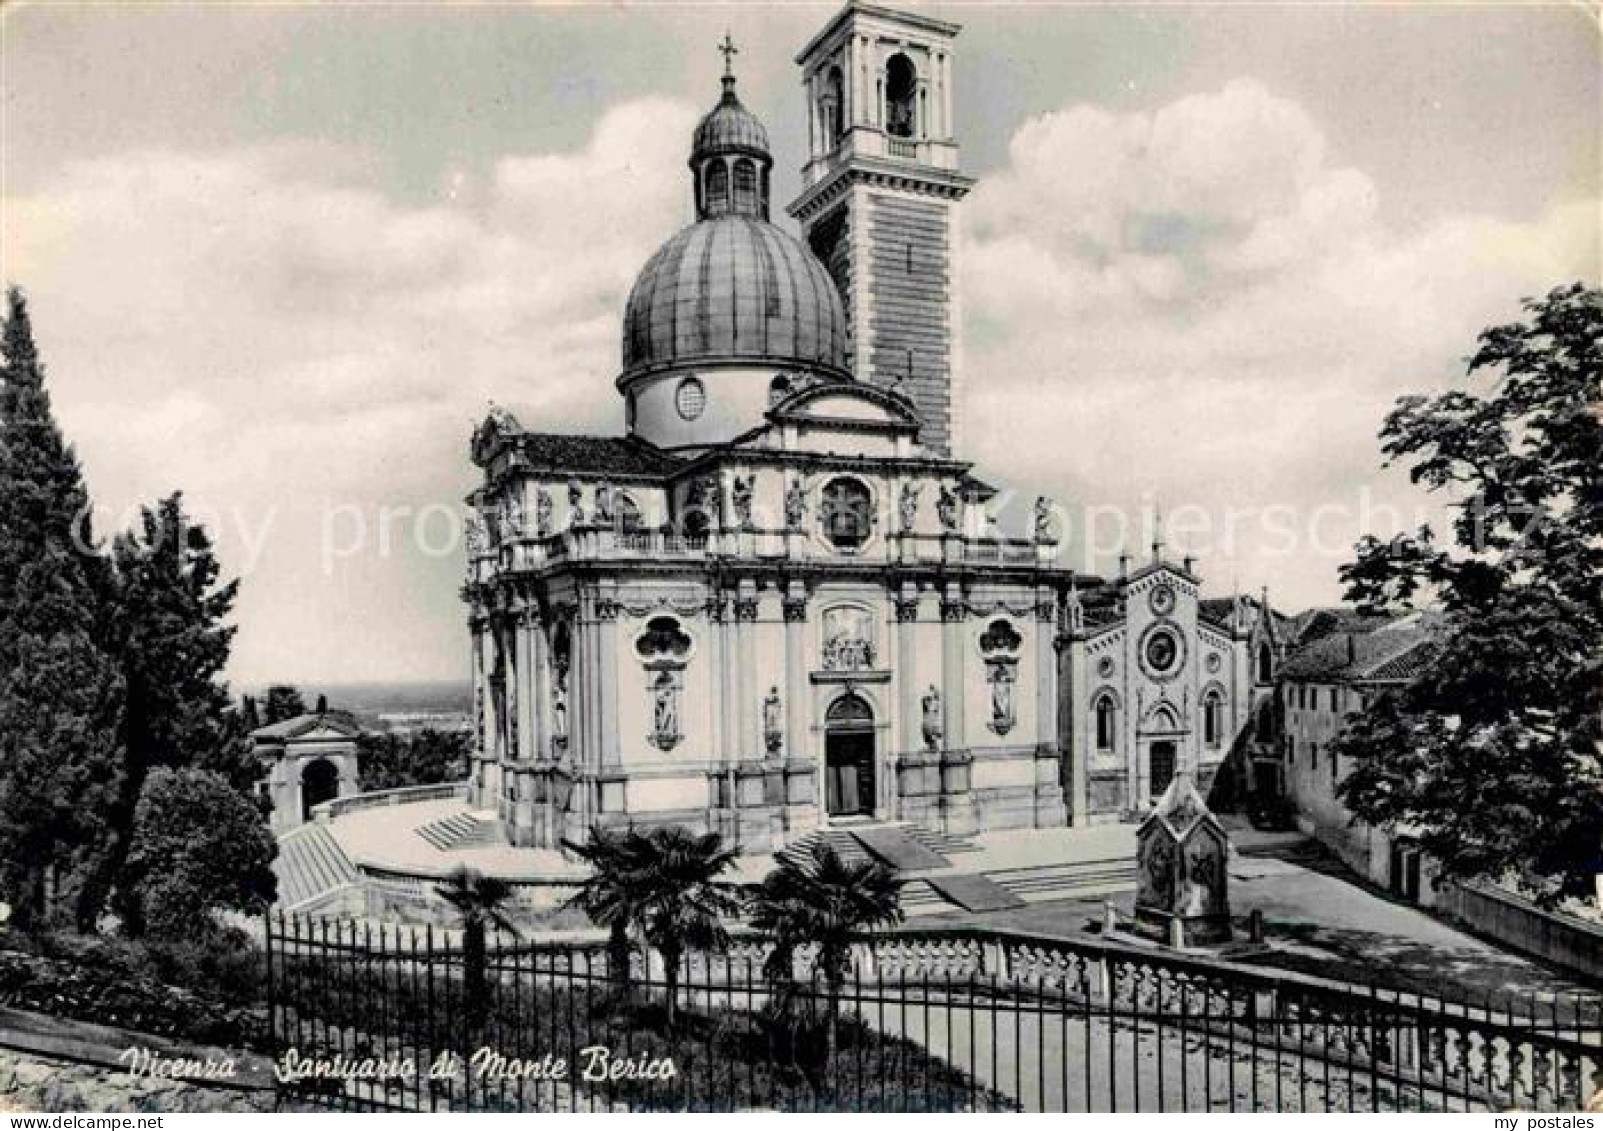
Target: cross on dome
[(728, 50)]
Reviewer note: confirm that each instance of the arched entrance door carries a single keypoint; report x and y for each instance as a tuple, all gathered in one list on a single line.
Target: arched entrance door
[(849, 757), (320, 782), (1162, 767)]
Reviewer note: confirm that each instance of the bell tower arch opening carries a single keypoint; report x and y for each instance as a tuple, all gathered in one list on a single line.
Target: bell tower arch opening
[(878, 204), (901, 97)]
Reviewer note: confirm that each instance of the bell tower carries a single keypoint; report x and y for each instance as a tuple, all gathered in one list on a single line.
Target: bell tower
[(879, 196)]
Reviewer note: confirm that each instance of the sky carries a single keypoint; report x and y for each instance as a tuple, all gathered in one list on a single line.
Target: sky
[(282, 257)]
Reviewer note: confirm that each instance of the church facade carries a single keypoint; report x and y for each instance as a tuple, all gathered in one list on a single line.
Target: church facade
[(776, 602)]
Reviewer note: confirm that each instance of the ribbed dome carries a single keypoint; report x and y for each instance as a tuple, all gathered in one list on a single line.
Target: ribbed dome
[(729, 128), (733, 288)]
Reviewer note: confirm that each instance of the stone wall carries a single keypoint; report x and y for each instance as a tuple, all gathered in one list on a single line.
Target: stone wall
[(1567, 942), (31, 1082), (55, 1064)]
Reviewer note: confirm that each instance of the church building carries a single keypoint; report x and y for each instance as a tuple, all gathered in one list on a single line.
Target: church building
[(776, 602)]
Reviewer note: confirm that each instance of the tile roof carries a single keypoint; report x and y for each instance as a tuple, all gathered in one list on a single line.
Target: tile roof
[(1312, 624), (595, 455), (1378, 656)]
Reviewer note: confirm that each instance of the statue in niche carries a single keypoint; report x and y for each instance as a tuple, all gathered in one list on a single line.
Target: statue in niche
[(946, 509), (559, 691), (909, 506), (1043, 520), (603, 504), (773, 721), (575, 503), (511, 519), (1003, 677), (665, 711), (542, 513), (743, 489), (933, 723), (796, 504), (474, 534)]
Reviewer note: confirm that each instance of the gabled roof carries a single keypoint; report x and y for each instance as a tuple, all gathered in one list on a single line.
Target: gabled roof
[(1392, 656), (286, 729)]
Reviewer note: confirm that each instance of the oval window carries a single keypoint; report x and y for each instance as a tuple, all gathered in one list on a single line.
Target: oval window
[(690, 398)]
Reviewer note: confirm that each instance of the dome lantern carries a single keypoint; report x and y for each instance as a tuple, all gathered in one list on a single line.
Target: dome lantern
[(729, 159)]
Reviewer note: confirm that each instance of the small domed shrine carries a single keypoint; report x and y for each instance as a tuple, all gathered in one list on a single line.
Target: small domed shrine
[(779, 600)]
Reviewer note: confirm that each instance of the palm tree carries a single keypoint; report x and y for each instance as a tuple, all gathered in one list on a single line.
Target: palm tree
[(614, 896), (481, 901), (685, 904), (818, 899)]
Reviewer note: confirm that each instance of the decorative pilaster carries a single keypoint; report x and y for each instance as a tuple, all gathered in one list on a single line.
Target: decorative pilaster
[(746, 694), (522, 684), (1076, 739), (796, 701), (720, 616), (908, 711), (607, 679), (537, 688), (954, 615)]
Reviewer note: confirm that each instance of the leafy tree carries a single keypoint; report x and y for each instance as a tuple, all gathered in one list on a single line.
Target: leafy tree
[(425, 757), (1493, 750), (198, 846), (821, 900), (282, 702), (686, 905), (480, 901), (61, 694), (614, 896), (168, 622)]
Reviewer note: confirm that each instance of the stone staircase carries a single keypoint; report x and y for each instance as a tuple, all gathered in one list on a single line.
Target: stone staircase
[(310, 865), (461, 830), (948, 845), (846, 846), (1035, 883), (918, 898), (1078, 879)]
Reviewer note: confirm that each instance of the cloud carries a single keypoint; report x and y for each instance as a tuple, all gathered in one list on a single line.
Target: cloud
[(1194, 305), (272, 331), (1199, 307)]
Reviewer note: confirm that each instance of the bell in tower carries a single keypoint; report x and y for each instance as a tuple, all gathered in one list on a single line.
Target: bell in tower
[(878, 204)]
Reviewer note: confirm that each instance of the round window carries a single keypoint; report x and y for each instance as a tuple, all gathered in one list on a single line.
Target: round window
[(1162, 651), (690, 398), (1162, 600)]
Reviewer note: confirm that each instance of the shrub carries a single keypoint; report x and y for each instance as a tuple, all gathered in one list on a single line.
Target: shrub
[(199, 846)]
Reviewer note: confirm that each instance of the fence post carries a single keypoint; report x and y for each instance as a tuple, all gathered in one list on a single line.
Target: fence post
[(271, 1035)]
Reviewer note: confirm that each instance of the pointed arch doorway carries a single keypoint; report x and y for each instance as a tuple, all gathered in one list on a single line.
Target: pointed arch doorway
[(849, 757)]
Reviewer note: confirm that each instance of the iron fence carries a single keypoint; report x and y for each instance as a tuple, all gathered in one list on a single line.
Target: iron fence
[(380, 1017)]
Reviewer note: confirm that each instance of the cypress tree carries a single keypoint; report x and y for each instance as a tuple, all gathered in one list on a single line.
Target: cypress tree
[(61, 694), (168, 613)]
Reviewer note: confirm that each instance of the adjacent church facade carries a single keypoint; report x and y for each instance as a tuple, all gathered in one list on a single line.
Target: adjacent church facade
[(776, 602)]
